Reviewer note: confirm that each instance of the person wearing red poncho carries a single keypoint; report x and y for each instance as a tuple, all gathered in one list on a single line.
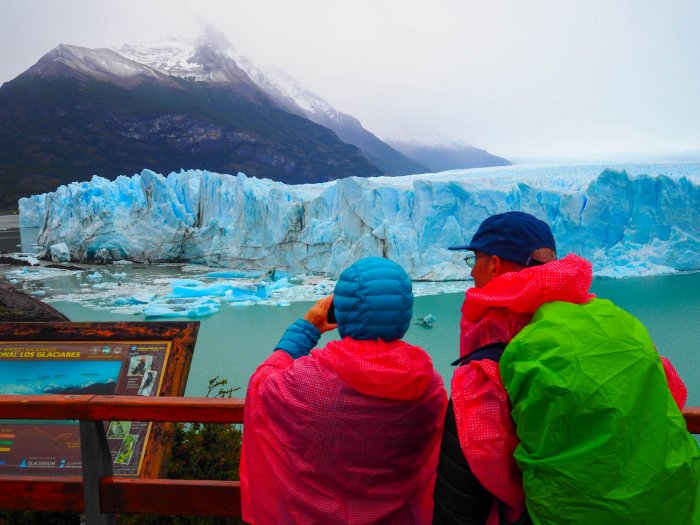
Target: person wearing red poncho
[(350, 433), (515, 272)]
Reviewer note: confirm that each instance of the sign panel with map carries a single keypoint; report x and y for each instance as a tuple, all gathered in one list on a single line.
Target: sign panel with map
[(144, 359)]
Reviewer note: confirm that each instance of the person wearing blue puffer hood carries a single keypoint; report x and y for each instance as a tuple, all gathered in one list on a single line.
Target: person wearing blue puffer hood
[(348, 433)]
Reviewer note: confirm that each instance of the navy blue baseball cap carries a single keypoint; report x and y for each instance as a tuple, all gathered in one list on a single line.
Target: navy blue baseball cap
[(513, 236)]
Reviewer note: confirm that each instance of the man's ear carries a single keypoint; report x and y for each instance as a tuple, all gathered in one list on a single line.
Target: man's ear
[(495, 266)]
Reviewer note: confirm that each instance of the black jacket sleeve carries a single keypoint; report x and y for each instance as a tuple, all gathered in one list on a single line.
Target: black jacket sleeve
[(460, 499)]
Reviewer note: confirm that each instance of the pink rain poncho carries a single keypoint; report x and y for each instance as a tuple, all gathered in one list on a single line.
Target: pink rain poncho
[(348, 434)]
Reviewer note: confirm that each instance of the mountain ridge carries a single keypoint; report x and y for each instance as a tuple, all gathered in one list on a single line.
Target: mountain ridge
[(74, 114)]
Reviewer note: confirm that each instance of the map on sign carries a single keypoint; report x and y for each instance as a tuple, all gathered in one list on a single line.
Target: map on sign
[(42, 447)]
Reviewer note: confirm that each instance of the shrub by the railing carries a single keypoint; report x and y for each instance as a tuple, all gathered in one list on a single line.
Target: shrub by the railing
[(207, 450), (201, 451)]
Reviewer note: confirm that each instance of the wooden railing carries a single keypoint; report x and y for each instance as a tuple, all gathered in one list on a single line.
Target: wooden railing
[(99, 494)]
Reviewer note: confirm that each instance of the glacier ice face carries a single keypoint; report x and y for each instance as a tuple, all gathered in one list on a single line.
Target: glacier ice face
[(59, 252), (628, 220)]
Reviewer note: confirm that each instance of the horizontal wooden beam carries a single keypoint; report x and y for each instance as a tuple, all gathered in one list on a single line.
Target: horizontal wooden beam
[(692, 419), (170, 496), (123, 496), (143, 408), (122, 408), (64, 494), (44, 406), (189, 409)]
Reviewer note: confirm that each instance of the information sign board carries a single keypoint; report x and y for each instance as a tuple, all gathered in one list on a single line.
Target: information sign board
[(144, 359)]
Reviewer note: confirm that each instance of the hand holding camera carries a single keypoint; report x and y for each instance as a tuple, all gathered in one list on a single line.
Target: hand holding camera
[(322, 314)]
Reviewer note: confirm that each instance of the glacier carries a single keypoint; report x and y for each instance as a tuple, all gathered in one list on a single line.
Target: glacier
[(628, 219)]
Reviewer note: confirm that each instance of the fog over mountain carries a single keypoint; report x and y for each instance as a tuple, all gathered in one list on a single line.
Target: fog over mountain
[(443, 157), (210, 58)]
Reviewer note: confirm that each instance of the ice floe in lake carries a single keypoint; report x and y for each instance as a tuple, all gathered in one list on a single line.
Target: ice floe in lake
[(165, 291), (181, 291)]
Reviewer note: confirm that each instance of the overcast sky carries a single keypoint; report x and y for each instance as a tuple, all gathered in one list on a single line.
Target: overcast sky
[(520, 78)]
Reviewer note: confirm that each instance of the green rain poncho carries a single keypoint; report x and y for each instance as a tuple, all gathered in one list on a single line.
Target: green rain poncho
[(601, 438)]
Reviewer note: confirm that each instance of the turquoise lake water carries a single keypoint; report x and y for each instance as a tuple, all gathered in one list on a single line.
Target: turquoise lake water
[(234, 341)]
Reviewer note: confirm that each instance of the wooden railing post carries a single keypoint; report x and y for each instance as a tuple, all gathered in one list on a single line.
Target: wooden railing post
[(97, 463)]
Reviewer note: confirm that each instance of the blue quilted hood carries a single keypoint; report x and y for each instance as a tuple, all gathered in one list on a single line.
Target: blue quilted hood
[(373, 299)]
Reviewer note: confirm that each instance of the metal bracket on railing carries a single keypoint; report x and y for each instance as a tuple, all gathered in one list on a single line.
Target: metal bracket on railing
[(97, 463)]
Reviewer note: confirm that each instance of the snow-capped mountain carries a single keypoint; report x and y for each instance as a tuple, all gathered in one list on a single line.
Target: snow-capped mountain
[(79, 112), (206, 59), (209, 59), (103, 65), (213, 59)]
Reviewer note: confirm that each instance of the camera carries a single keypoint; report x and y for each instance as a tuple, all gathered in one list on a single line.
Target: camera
[(330, 316)]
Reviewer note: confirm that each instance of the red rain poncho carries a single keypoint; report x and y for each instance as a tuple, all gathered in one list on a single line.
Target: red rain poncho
[(349, 434), (495, 314)]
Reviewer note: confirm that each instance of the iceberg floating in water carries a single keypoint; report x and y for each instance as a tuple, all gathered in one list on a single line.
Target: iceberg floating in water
[(188, 307), (236, 274), (631, 220), (427, 321), (95, 277), (231, 291)]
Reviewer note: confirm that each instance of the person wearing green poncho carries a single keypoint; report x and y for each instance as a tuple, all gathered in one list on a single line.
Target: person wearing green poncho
[(595, 435)]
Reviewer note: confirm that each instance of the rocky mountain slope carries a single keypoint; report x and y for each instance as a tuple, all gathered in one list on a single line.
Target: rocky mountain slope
[(79, 112)]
